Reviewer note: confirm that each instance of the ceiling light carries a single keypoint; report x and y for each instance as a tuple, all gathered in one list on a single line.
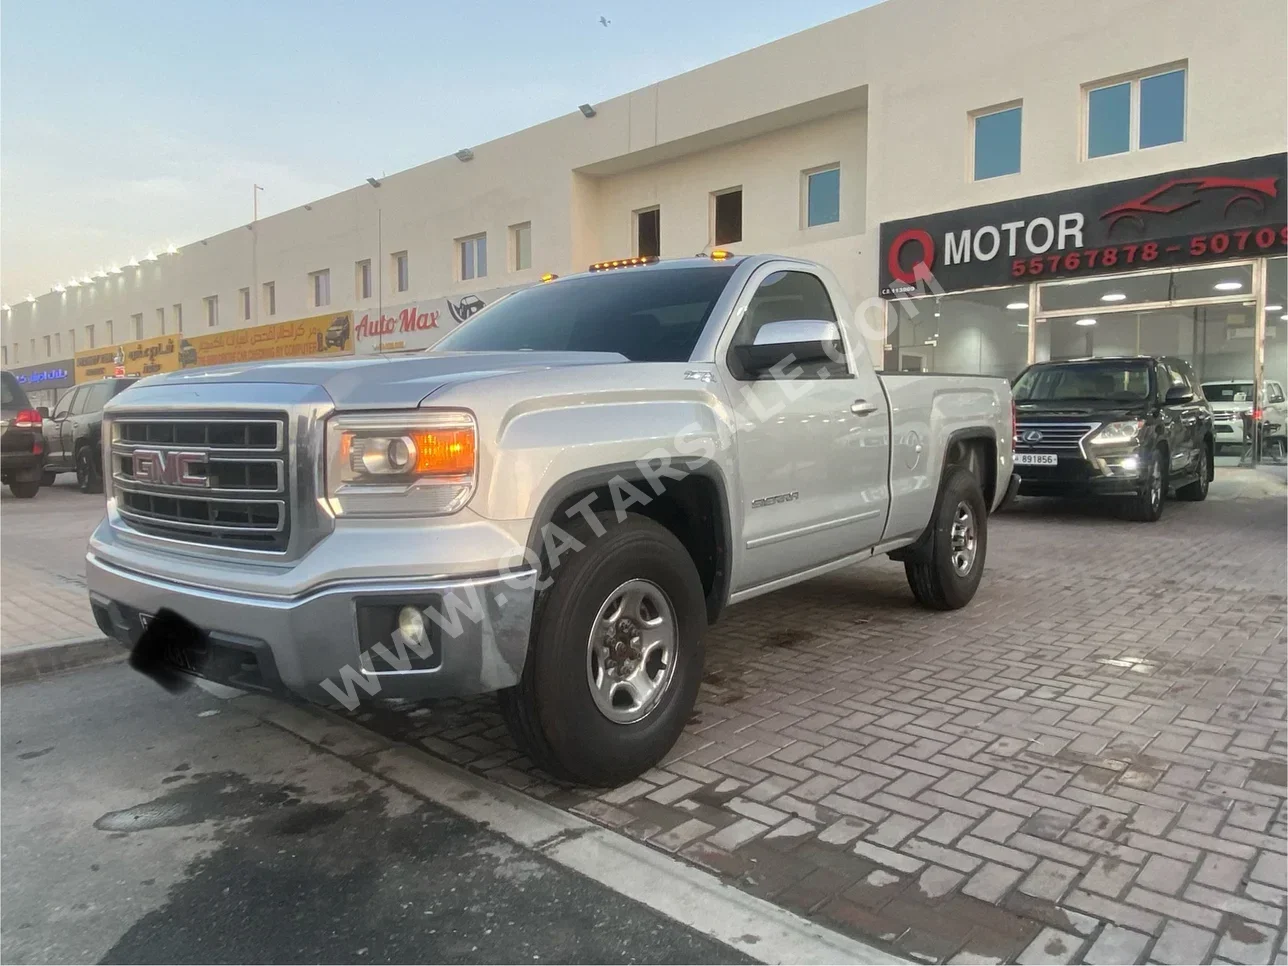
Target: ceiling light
[(150, 256), (72, 283), (464, 154), (936, 315), (114, 270), (1283, 318), (587, 110), (1085, 322), (1228, 286), (1022, 325), (1016, 306), (1113, 297), (171, 250), (30, 297), (373, 182), (100, 273), (4, 307), (1274, 308), (59, 288), (86, 280), (132, 263)]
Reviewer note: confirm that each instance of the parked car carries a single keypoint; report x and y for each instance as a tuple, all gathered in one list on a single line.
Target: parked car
[(1133, 427), (1232, 401), (600, 464), (337, 333), (22, 440), (74, 433)]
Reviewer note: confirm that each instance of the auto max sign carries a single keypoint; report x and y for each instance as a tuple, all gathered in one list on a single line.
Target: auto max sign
[(1217, 213)]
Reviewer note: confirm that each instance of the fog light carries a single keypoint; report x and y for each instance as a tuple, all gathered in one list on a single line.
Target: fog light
[(411, 624), (1131, 464)]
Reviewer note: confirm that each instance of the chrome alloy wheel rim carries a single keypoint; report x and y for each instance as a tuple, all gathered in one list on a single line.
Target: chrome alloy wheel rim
[(630, 656), (1156, 484), (965, 540)]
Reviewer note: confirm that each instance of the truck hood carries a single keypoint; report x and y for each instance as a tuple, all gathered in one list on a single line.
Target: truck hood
[(376, 382)]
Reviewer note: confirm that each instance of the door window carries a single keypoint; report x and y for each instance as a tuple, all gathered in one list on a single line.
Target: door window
[(95, 397), (791, 297), (66, 405)]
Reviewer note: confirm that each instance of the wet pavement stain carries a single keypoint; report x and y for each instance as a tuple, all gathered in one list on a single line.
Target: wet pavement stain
[(207, 797), (28, 755)]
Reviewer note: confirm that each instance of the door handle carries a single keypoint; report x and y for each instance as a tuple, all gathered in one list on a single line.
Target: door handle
[(862, 407)]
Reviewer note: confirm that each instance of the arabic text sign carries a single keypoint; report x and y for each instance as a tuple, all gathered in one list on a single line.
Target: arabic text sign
[(319, 335)]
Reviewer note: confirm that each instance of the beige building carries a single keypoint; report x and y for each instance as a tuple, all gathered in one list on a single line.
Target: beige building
[(805, 146)]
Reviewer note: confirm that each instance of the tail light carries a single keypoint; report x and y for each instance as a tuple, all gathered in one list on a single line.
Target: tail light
[(1257, 415), (28, 419)]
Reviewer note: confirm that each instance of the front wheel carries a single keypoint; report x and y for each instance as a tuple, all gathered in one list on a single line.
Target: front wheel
[(1147, 505), (947, 577), (1197, 491), (616, 655), (25, 491), (87, 476)]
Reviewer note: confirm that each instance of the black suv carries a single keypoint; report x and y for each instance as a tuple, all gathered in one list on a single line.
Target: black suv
[(22, 441), (75, 432), (1131, 426)]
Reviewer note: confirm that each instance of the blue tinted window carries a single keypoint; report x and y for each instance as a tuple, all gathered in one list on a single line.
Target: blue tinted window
[(997, 144), (1109, 120), (1162, 108), (824, 202)]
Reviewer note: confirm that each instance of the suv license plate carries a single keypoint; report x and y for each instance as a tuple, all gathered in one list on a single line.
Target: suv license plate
[(1036, 459)]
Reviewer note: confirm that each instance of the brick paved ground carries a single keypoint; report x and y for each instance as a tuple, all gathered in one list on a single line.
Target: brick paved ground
[(1088, 764), (42, 571)]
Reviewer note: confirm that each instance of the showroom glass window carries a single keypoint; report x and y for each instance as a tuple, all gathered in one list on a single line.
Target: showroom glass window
[(1141, 112), (823, 196), (984, 332), (997, 143)]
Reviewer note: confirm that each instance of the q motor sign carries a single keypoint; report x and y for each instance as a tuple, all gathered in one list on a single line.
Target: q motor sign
[(1218, 213)]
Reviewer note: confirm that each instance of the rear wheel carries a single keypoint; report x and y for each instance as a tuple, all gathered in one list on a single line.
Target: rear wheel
[(25, 490), (87, 476), (949, 574), (616, 656), (1197, 491), (1147, 505)]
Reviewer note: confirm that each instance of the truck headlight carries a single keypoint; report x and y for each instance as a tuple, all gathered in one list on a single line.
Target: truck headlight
[(1125, 431), (400, 464)]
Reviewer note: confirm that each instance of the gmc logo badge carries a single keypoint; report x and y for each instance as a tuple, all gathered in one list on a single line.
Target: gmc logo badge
[(173, 468)]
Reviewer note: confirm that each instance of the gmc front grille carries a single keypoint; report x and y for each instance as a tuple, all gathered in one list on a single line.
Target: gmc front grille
[(218, 479)]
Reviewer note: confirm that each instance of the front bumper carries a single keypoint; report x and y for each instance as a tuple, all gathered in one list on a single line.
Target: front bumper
[(1110, 474), (297, 643)]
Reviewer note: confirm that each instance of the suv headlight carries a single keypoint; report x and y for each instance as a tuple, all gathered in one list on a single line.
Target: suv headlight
[(416, 463), (1125, 431)]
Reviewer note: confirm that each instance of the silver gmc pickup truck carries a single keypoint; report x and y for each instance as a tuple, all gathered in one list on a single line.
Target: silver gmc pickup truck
[(552, 504)]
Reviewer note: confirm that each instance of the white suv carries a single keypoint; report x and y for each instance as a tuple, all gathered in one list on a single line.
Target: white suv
[(1232, 398)]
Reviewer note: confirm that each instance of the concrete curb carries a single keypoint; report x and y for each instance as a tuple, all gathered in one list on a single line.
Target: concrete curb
[(671, 886), (33, 661)]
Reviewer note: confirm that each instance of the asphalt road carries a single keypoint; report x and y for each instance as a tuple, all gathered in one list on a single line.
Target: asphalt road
[(145, 827)]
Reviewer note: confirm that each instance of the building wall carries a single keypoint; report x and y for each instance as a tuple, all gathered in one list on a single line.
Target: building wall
[(888, 91)]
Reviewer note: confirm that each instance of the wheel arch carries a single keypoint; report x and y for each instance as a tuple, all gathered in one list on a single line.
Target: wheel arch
[(973, 447)]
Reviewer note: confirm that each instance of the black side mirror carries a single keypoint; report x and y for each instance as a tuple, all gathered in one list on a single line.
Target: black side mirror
[(1178, 396), (44, 411)]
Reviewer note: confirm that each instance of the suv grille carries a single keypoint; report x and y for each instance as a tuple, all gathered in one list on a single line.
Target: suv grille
[(219, 479), (1050, 436)]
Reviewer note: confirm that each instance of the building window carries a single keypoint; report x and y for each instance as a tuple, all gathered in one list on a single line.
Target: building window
[(108, 329), (89, 337), (997, 143), (270, 298), (160, 321), (520, 246), (245, 304), (401, 277), (362, 279), (321, 282), (1139, 112), (726, 215), (648, 232), (212, 310), (48, 347), (71, 340), (473, 256), (4, 354), (58, 343), (33, 348), (177, 314), (823, 196), (136, 326)]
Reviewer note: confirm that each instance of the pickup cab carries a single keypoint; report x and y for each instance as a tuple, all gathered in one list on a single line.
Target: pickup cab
[(552, 504)]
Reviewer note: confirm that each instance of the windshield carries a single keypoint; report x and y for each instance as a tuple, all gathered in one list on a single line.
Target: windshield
[(12, 395), (1125, 382), (646, 315), (1228, 392)]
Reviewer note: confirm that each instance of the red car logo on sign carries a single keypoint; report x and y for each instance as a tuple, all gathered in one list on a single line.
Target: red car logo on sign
[(1256, 190), (170, 468)]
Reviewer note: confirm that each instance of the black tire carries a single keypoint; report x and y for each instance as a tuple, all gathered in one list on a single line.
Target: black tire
[(552, 712), (939, 581), (25, 490), (88, 477), (1147, 505), (47, 478), (1197, 491)]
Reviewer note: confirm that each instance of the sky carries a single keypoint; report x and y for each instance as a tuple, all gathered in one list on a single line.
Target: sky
[(128, 127)]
